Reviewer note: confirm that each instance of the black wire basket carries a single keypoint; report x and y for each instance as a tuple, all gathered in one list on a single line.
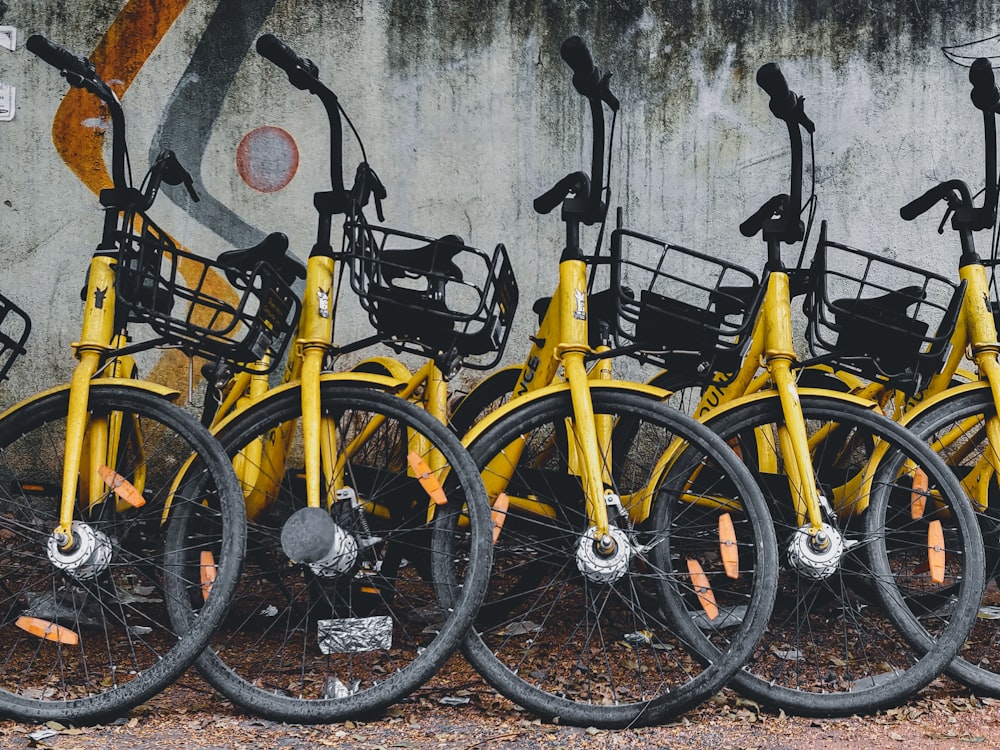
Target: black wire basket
[(203, 307), (680, 309), (435, 297), (878, 317), (15, 326)]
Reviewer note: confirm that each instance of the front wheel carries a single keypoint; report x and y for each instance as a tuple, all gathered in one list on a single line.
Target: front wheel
[(84, 634), (359, 628), (869, 618), (956, 427), (594, 638)]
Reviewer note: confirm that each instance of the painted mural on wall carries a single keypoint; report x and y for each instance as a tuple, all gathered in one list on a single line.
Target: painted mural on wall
[(467, 114)]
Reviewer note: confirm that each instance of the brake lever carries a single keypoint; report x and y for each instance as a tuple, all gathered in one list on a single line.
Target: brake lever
[(948, 211)]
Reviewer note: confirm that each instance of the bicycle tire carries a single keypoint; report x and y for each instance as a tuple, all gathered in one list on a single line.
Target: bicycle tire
[(107, 643), (265, 657), (582, 649), (487, 395), (976, 665), (803, 665)]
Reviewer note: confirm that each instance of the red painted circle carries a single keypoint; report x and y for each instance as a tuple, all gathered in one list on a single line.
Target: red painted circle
[(267, 158)]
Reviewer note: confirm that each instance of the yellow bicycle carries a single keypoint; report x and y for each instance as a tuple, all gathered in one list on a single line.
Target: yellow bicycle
[(899, 335), (363, 510), (413, 292), (94, 525)]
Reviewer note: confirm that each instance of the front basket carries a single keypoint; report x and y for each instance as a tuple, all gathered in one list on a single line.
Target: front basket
[(679, 308), (433, 296), (186, 299), (876, 316)]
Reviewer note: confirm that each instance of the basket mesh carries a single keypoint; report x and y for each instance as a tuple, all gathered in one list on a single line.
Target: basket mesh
[(15, 325), (433, 296), (188, 301), (879, 317), (679, 308)]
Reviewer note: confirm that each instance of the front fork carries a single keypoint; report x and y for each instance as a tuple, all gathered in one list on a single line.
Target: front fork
[(792, 435), (98, 327), (573, 316), (316, 334)]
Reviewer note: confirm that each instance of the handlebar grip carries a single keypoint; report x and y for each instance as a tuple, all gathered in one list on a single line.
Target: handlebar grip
[(755, 223), (925, 202), (577, 182), (985, 94), (275, 50), (586, 76), (574, 51), (772, 80), (60, 58)]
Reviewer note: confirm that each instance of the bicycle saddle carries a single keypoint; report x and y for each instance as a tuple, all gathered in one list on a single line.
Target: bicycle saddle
[(271, 250), (891, 303), (434, 260)]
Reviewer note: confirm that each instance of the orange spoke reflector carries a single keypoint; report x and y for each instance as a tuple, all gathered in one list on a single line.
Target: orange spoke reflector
[(369, 590), (121, 487), (935, 551), (426, 478), (706, 597), (734, 443), (50, 631), (918, 495), (727, 546), (499, 514), (209, 570)]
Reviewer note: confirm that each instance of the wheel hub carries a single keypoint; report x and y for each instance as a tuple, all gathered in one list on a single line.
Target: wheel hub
[(818, 555), (311, 536), (88, 556), (604, 560), (341, 557)]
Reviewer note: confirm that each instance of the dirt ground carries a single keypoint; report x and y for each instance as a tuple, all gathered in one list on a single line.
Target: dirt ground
[(471, 715)]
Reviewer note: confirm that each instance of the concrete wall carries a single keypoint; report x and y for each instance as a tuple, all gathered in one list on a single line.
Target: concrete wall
[(467, 114)]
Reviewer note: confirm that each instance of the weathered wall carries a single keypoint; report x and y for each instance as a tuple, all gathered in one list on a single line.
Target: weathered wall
[(467, 114)]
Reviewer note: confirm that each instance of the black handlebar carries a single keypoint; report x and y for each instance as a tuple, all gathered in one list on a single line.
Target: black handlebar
[(80, 73), (577, 183), (985, 94), (587, 79), (772, 80), (775, 205), (303, 73), (779, 217), (61, 59), (784, 105), (954, 191)]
